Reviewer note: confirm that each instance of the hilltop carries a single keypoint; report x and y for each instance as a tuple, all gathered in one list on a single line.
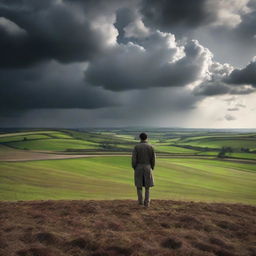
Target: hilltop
[(121, 227)]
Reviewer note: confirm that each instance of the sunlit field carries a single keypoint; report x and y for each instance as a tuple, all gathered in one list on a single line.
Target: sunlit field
[(112, 178)]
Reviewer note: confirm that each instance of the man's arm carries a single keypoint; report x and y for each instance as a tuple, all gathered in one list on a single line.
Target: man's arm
[(134, 158), (153, 159)]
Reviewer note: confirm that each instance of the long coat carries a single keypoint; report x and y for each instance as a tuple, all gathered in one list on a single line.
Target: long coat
[(143, 163)]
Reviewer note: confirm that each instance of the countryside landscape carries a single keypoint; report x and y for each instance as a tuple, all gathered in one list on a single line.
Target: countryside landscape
[(74, 193), (127, 128), (71, 164)]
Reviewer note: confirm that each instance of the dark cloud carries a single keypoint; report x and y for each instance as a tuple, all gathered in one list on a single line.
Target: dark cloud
[(29, 97), (91, 55), (49, 86), (234, 44), (223, 79), (175, 15), (130, 26), (247, 29), (150, 107), (211, 88), (153, 64), (46, 30), (246, 75), (225, 27), (167, 15), (124, 16)]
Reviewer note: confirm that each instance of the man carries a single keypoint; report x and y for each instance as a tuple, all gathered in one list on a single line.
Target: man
[(143, 163)]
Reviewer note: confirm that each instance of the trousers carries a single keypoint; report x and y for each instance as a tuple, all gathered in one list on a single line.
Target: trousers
[(140, 195)]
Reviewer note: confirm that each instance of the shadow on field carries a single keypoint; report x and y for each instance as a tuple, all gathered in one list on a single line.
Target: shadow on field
[(121, 227)]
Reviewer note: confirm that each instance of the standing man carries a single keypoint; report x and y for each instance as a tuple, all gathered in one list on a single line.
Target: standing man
[(143, 163)]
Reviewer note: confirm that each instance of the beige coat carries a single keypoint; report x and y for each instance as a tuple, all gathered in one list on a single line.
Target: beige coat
[(143, 163)]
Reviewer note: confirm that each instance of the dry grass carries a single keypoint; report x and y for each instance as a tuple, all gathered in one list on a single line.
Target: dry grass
[(121, 227)]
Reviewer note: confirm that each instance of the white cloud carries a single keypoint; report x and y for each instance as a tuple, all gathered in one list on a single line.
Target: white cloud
[(104, 26), (228, 12)]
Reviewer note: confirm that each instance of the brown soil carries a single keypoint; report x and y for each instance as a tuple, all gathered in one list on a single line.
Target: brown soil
[(121, 227)]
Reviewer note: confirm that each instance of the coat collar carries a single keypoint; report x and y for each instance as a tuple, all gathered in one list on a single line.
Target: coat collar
[(143, 141)]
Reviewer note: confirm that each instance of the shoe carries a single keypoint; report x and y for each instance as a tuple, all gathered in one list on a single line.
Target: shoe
[(146, 204)]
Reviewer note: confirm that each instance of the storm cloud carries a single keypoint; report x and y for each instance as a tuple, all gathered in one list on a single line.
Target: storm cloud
[(50, 86), (156, 62), (173, 14), (246, 75), (34, 31), (109, 60), (224, 79), (168, 14)]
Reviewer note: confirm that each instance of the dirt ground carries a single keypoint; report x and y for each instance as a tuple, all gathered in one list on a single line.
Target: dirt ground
[(121, 227)]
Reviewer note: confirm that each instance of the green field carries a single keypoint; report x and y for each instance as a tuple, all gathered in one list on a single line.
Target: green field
[(167, 148), (8, 139), (112, 178), (54, 144), (188, 165), (242, 145), (216, 143)]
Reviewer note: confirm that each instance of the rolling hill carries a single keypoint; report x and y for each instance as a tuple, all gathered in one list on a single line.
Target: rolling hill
[(121, 227)]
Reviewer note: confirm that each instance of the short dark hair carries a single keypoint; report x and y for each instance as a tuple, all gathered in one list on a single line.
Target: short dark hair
[(143, 136)]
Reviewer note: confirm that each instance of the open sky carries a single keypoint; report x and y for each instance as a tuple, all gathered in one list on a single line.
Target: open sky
[(87, 63)]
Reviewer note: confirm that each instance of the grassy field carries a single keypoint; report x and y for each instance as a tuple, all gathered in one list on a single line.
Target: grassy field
[(167, 148), (54, 144), (216, 142), (189, 176), (176, 142), (112, 178)]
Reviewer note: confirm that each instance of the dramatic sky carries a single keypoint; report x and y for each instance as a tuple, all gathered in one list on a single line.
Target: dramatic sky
[(96, 63)]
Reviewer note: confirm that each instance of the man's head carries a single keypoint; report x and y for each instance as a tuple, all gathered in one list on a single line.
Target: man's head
[(143, 136)]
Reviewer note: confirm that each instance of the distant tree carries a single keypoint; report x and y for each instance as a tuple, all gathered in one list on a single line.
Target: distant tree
[(25, 139), (107, 146), (221, 154), (245, 150), (224, 150), (228, 149)]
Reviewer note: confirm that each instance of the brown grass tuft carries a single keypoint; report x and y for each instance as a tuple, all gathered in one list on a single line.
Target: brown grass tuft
[(35, 251), (227, 225), (46, 238), (172, 243), (84, 243), (121, 227), (203, 246)]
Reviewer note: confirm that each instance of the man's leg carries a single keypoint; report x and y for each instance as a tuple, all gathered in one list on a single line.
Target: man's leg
[(140, 197), (147, 199)]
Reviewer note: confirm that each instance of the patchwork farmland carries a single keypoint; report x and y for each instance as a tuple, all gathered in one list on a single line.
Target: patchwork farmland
[(83, 181)]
